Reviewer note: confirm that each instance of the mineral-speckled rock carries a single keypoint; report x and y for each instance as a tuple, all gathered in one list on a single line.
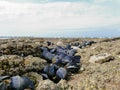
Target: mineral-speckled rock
[(101, 58)]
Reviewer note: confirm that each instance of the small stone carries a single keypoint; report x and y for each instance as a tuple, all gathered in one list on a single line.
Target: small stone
[(118, 56), (60, 43), (101, 58), (82, 69), (76, 48)]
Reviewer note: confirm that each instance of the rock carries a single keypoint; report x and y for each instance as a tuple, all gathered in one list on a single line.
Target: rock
[(101, 58), (19, 49), (59, 43), (2, 72), (118, 56), (11, 64), (82, 69), (14, 64), (113, 86), (34, 63), (63, 85), (47, 85)]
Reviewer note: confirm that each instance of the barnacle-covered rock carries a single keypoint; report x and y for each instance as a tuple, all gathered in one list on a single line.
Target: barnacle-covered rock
[(14, 64), (11, 64), (47, 85), (34, 63), (101, 58)]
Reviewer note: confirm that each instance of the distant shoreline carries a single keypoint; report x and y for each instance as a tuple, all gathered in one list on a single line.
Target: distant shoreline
[(26, 37)]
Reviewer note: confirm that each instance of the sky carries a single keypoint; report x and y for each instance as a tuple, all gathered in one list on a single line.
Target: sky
[(60, 18)]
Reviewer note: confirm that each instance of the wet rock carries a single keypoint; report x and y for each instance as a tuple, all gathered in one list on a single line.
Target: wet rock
[(47, 85), (101, 58)]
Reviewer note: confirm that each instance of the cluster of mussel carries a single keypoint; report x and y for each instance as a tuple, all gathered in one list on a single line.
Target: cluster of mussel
[(84, 44), (62, 62), (16, 83)]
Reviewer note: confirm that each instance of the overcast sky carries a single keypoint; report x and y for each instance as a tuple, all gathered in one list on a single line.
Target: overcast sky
[(44, 17)]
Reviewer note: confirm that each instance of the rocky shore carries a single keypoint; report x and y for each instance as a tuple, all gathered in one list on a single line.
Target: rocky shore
[(100, 62)]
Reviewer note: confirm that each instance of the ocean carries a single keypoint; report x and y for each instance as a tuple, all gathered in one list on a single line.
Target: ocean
[(70, 34), (90, 33)]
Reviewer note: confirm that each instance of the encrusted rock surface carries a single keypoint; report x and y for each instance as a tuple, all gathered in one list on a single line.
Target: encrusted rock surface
[(63, 85), (47, 85), (11, 64), (101, 58), (22, 56), (34, 63), (14, 64)]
